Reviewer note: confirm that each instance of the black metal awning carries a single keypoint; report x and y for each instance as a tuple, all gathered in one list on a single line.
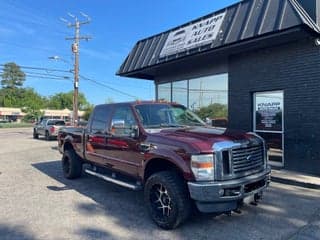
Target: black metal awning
[(240, 25)]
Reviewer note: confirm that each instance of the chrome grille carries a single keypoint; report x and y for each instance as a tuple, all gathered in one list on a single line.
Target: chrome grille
[(247, 159)]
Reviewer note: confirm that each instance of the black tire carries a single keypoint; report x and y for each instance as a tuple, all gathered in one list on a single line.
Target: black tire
[(71, 164), (47, 136), (35, 134), (167, 199)]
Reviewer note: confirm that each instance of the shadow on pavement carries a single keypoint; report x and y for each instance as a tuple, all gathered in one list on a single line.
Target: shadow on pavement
[(277, 212), (110, 200), (10, 232)]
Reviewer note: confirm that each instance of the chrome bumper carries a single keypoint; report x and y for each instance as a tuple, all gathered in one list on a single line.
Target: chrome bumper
[(225, 195)]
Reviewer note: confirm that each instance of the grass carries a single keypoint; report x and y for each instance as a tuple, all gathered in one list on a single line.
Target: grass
[(15, 125)]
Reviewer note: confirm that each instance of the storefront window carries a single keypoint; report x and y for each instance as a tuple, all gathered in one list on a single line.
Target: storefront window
[(164, 91), (207, 96), (180, 92)]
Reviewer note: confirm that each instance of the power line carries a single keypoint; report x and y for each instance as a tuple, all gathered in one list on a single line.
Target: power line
[(109, 87), (43, 74), (44, 69), (64, 78)]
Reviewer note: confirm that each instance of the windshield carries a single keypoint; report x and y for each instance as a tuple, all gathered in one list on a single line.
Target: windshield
[(165, 115)]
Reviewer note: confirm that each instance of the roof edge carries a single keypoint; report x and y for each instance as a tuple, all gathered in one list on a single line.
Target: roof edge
[(305, 17)]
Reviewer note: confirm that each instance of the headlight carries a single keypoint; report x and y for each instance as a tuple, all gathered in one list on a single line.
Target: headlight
[(202, 167)]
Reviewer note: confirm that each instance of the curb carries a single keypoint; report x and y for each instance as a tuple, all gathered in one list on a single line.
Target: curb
[(295, 182)]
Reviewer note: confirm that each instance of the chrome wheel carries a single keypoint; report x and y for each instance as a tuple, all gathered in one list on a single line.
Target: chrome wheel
[(161, 201)]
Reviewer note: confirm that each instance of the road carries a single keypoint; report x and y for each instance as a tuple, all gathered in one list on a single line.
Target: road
[(36, 202)]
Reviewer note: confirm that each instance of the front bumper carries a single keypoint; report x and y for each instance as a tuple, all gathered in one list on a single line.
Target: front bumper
[(225, 196)]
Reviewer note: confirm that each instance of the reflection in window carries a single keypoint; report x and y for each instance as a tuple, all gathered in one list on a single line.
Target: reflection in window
[(208, 90), (180, 92), (164, 91)]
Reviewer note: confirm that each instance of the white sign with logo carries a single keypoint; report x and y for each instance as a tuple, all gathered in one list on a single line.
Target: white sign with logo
[(192, 36)]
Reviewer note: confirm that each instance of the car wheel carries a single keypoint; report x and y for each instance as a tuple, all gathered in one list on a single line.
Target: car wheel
[(71, 164), (35, 134), (47, 136), (167, 199)]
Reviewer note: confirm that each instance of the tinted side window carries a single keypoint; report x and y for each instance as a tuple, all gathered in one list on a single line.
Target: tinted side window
[(100, 119)]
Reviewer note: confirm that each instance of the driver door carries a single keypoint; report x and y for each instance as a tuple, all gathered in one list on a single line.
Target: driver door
[(122, 145)]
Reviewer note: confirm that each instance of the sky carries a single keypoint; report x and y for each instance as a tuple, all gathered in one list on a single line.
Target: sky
[(31, 31)]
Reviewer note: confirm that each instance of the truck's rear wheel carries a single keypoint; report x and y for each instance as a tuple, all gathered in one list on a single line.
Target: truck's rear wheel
[(47, 136), (71, 164), (167, 199), (35, 134)]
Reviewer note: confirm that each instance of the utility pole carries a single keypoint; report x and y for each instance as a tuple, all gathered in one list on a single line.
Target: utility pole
[(75, 50)]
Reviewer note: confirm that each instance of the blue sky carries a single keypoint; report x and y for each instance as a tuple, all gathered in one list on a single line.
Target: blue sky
[(30, 32)]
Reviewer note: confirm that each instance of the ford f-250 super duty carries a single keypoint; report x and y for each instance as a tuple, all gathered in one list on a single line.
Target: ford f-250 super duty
[(170, 153)]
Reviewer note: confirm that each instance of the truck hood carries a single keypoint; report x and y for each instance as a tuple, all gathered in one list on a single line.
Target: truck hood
[(202, 138)]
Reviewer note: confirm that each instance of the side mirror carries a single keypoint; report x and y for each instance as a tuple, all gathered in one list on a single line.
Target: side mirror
[(135, 131), (119, 128)]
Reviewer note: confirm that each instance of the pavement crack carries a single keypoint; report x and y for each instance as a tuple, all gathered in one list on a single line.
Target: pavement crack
[(312, 218)]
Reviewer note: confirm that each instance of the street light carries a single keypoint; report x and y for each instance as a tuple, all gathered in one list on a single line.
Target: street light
[(58, 58), (75, 90)]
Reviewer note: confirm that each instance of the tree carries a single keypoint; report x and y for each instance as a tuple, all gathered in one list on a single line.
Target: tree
[(21, 97), (12, 76), (65, 100)]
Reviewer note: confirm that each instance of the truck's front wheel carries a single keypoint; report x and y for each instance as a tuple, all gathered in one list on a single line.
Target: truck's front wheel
[(167, 199), (71, 164)]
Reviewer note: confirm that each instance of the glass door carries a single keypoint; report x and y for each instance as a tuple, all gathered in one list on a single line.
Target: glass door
[(268, 122)]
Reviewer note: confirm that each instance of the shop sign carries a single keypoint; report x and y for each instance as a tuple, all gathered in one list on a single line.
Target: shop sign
[(192, 36)]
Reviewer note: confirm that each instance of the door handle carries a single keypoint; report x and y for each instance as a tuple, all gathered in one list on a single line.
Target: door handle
[(145, 147)]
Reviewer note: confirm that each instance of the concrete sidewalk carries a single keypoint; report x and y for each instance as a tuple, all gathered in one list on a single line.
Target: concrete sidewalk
[(294, 178)]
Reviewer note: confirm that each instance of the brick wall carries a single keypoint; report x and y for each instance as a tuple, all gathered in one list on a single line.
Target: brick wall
[(295, 69)]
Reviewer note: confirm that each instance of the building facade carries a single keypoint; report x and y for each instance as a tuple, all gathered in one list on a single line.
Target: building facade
[(16, 114), (258, 59)]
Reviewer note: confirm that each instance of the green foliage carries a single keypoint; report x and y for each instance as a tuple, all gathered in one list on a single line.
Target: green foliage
[(87, 112), (32, 115), (20, 98), (65, 100), (12, 76), (15, 125), (13, 95), (215, 110)]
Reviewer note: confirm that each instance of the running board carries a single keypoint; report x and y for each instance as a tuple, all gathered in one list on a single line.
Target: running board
[(113, 180)]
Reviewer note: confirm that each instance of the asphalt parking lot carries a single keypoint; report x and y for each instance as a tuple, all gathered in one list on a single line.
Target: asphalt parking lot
[(36, 202)]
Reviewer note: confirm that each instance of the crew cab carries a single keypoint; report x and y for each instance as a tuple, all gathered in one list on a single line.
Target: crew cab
[(168, 152), (48, 128)]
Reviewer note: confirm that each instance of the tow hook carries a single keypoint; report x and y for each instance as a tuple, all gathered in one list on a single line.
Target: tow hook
[(257, 197), (237, 211)]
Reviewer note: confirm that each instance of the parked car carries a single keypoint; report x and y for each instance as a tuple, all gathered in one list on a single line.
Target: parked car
[(168, 152), (48, 128)]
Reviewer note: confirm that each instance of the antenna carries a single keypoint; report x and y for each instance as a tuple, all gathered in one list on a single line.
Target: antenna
[(71, 15)]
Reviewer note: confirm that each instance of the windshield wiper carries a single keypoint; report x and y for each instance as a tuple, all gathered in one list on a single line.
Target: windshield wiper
[(164, 125), (170, 125)]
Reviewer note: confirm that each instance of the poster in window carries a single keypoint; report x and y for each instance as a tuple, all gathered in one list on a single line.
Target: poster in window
[(269, 111)]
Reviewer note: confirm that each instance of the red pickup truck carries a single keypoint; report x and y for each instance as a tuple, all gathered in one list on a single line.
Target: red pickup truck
[(168, 152)]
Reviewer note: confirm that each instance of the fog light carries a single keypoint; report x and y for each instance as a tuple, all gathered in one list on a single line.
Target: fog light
[(221, 192)]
